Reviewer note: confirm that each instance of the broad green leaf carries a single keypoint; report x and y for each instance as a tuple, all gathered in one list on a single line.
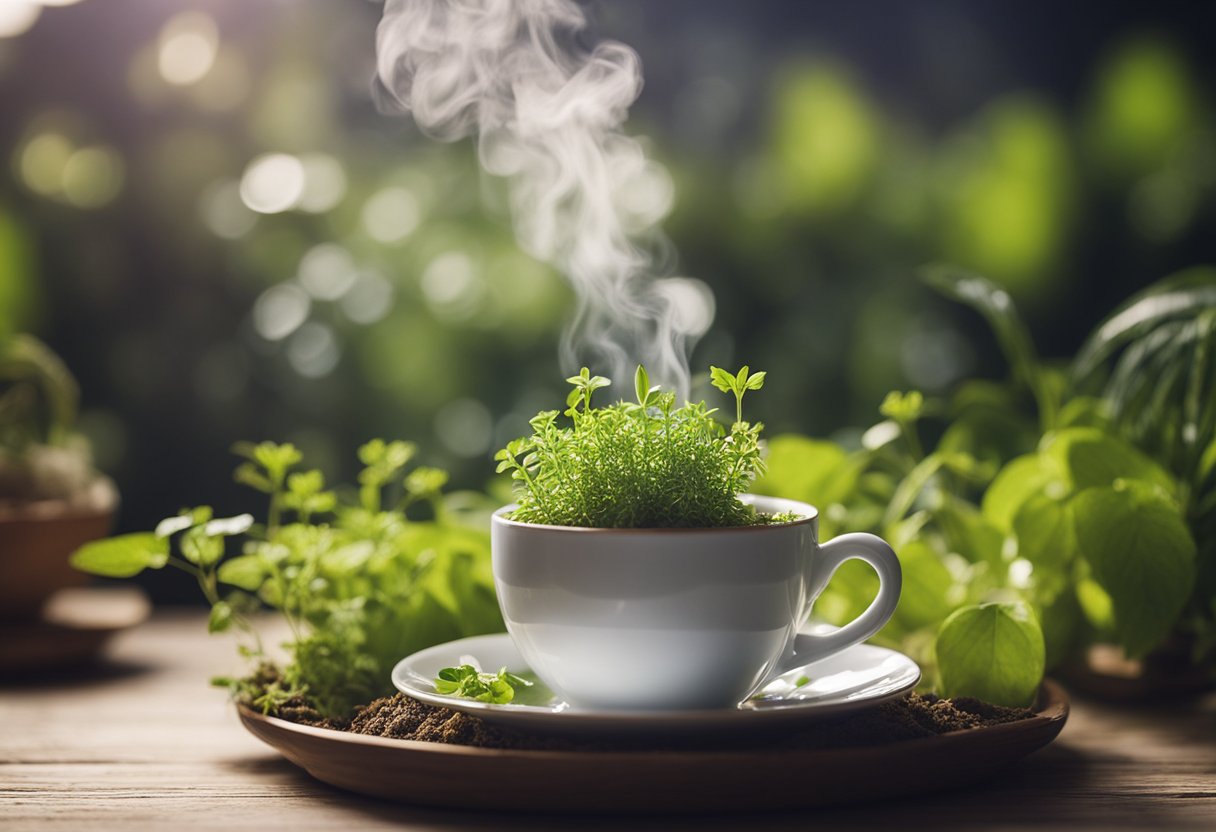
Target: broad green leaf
[(1086, 412), (1043, 530), (1096, 604), (246, 571), (994, 652), (969, 533), (1141, 553), (1016, 483), (926, 586), (122, 556), (1091, 458), (810, 470)]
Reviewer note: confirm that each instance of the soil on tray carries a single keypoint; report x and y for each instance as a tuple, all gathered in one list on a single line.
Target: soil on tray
[(913, 717)]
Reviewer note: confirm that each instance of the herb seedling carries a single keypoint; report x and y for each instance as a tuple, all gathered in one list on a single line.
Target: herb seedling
[(359, 584), (643, 464), (468, 682)]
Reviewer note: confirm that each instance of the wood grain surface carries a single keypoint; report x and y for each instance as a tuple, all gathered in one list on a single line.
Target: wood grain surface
[(141, 743)]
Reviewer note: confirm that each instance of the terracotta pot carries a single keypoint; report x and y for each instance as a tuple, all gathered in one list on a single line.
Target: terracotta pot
[(1103, 672), (36, 540)]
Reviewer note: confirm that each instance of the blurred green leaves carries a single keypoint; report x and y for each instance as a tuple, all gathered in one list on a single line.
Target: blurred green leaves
[(825, 139)]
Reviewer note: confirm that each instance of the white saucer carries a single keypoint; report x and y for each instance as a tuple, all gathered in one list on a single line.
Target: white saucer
[(854, 679)]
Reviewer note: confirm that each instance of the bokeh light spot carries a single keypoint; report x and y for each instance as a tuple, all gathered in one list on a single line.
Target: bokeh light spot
[(313, 350), (391, 214), (327, 271), (17, 17), (324, 183), (187, 48), (93, 177), (41, 163), (368, 300), (223, 211), (465, 427), (273, 183), (227, 85), (452, 287), (280, 311)]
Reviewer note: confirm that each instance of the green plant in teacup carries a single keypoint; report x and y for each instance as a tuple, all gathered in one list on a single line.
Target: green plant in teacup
[(51, 497), (636, 573)]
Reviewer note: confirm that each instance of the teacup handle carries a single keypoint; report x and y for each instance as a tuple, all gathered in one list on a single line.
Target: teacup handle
[(873, 550)]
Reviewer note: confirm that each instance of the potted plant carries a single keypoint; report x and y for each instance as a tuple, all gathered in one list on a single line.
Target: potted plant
[(635, 572), (51, 498), (1078, 532)]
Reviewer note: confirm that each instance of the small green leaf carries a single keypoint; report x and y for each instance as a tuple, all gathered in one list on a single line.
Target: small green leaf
[(994, 652), (201, 549), (221, 617), (123, 556), (1141, 553), (422, 482), (348, 559), (245, 571), (756, 381), (721, 379), (903, 407), (641, 385)]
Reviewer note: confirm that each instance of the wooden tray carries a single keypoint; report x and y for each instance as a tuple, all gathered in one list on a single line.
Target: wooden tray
[(454, 776)]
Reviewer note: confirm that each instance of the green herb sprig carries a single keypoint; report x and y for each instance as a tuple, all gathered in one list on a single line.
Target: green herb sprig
[(468, 682), (642, 464)]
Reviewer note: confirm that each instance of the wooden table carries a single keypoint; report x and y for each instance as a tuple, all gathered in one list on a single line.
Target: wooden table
[(143, 743)]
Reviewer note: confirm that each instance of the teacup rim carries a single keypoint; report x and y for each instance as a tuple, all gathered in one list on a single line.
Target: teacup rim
[(810, 516)]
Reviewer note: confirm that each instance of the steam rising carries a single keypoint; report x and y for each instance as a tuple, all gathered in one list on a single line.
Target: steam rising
[(548, 115)]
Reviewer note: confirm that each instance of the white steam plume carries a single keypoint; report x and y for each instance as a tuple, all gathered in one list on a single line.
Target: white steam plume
[(548, 115)]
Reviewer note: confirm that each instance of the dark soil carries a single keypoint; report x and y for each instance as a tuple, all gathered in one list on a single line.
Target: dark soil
[(914, 717)]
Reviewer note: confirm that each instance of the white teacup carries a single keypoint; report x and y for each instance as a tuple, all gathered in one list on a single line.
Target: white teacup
[(647, 619)]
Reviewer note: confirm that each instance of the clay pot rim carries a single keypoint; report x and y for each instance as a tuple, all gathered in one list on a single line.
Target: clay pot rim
[(51, 510)]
